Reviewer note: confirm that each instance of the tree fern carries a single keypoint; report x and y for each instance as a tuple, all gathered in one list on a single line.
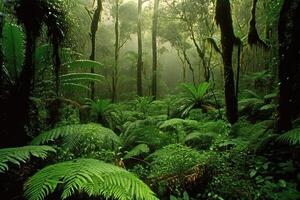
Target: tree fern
[(81, 135), (92, 177), (291, 137), (20, 155)]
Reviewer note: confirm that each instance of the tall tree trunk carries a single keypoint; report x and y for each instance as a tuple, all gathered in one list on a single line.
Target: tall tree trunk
[(228, 39), (117, 48), (139, 82), (154, 49), (253, 37), (94, 27), (1, 53), (289, 65), (54, 106)]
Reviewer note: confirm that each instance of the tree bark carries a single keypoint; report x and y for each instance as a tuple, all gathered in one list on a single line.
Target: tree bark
[(289, 64), (154, 49), (94, 28), (228, 39)]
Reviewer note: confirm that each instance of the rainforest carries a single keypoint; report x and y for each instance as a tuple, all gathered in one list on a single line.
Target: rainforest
[(150, 99)]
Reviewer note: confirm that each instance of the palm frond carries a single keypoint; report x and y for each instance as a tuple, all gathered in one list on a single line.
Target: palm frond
[(20, 155), (92, 177)]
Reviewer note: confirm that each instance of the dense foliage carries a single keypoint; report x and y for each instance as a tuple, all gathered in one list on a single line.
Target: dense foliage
[(148, 100)]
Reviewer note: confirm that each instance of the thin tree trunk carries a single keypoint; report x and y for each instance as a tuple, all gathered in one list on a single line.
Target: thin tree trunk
[(1, 53), (154, 49), (228, 39), (140, 51), (94, 28), (116, 64), (289, 66)]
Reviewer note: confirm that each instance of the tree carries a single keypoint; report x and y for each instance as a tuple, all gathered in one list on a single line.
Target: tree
[(139, 82), (94, 27), (154, 48), (16, 106), (289, 64), (228, 40)]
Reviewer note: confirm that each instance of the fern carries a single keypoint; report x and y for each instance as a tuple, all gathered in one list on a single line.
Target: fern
[(13, 48), (80, 77), (291, 137), (81, 136), (90, 176), (78, 64), (136, 151), (20, 155), (175, 161)]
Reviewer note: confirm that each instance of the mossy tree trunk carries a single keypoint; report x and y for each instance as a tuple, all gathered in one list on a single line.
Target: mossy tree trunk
[(228, 40), (289, 64)]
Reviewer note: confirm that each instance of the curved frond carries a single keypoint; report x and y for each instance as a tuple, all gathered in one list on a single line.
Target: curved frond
[(20, 155), (291, 137), (13, 48), (92, 177), (202, 89), (84, 64), (78, 135), (75, 77)]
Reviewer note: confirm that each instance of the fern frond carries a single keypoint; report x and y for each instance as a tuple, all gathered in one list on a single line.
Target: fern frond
[(75, 77), (13, 48), (20, 155), (202, 89), (137, 150), (75, 136), (84, 64), (291, 137), (92, 177)]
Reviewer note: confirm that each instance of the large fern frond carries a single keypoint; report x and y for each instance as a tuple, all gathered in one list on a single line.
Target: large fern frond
[(13, 48), (88, 64), (90, 176), (80, 77), (291, 137), (20, 155), (80, 135)]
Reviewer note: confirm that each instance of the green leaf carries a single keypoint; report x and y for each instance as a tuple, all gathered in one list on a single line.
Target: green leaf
[(20, 155), (92, 177), (137, 150), (13, 49), (75, 77), (282, 183), (291, 137), (84, 64), (252, 173)]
